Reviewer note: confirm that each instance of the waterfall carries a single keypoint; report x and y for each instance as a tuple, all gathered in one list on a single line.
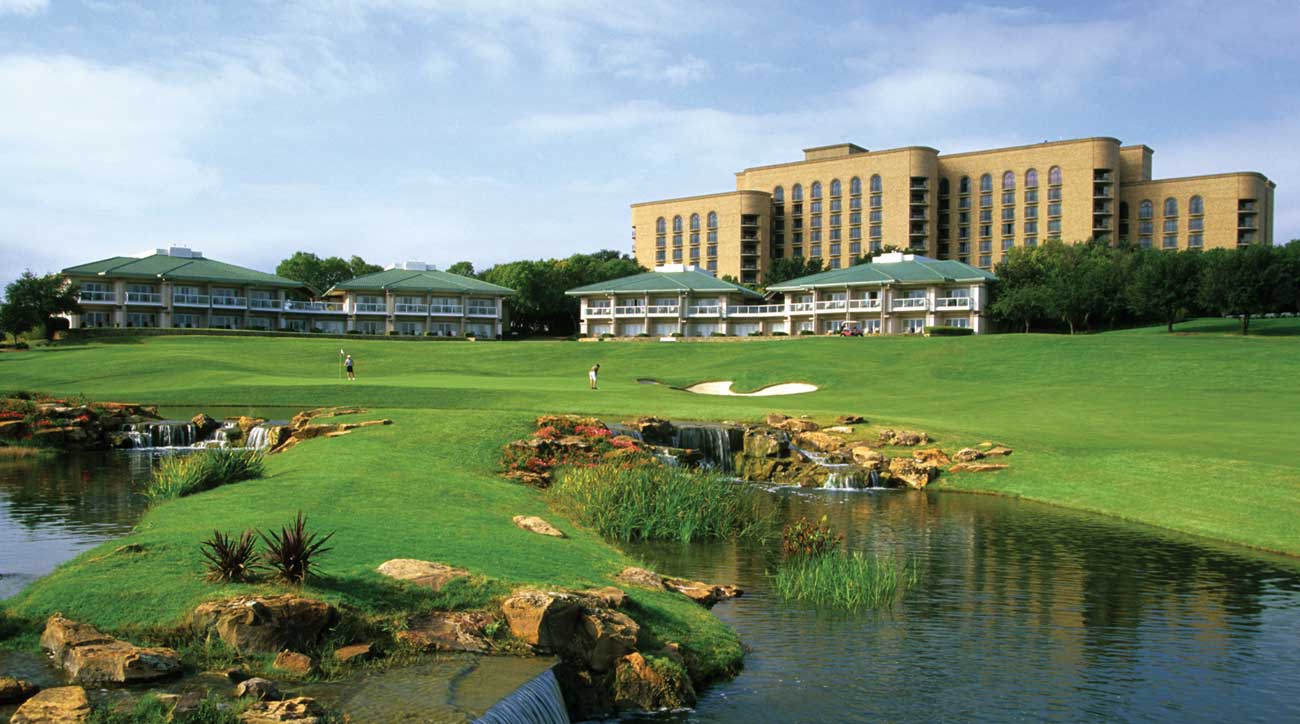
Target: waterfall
[(618, 428), (717, 443), (258, 438), (841, 476), (161, 434), (537, 702)]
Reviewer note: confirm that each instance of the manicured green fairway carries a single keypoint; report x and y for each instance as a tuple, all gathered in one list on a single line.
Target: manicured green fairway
[(1193, 432)]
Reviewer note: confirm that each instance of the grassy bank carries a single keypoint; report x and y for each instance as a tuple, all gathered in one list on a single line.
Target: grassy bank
[(1192, 432)]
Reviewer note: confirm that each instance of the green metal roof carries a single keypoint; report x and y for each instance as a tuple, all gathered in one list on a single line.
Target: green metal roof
[(665, 282), (914, 270), (179, 269), (400, 280)]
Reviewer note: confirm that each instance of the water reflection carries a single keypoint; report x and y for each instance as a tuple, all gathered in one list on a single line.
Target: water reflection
[(1022, 612)]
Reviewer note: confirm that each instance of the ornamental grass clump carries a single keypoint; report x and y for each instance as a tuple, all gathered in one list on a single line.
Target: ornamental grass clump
[(230, 559), (181, 475), (650, 501), (292, 552), (816, 571)]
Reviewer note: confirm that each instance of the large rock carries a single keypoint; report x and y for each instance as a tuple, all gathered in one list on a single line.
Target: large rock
[(534, 524), (293, 662), (913, 473), (422, 573), (604, 597), (998, 451), (12, 429), (88, 656), (259, 689), (819, 441), (931, 456), (906, 438), (204, 425), (967, 455), (640, 685), (246, 423), (605, 636), (641, 577), (354, 652), (546, 620), (850, 420), (60, 705), (265, 624), (762, 443), (868, 457), (301, 710), (774, 419), (705, 594), (653, 430), (16, 691), (448, 631), (797, 424), (977, 467)]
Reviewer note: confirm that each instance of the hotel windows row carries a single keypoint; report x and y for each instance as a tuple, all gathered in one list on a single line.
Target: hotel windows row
[(1169, 226), (679, 256), (1006, 216), (832, 213)]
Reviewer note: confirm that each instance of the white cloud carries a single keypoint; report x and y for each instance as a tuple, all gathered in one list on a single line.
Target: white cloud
[(639, 59), (23, 7)]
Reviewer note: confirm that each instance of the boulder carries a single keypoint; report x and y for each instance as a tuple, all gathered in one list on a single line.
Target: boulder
[(839, 429), (642, 685), (88, 656), (16, 691), (533, 524), (277, 435), (761, 443), (355, 652), (264, 624), (774, 419), (641, 577), (546, 620), (977, 467), (259, 689), (850, 420), (819, 441), (294, 663), (12, 429), (422, 573), (868, 457), (605, 597), (967, 455), (527, 477), (60, 705), (931, 456), (797, 424), (914, 474), (300, 710), (246, 423), (204, 425), (49, 437), (603, 637), (62, 634), (448, 631), (705, 594), (998, 451), (906, 438), (653, 430)]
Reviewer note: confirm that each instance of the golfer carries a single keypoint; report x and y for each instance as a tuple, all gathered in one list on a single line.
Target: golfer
[(347, 364), (591, 375)]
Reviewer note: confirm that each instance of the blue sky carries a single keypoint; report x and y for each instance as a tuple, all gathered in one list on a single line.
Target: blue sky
[(494, 130)]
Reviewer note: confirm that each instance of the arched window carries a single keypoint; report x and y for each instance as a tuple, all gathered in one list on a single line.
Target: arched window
[(695, 222), (1145, 209), (943, 187), (964, 186), (875, 183), (1123, 212), (1171, 206), (796, 193), (1196, 205), (1031, 179), (986, 182), (713, 219), (661, 225), (855, 186), (1054, 176), (835, 187), (677, 224), (778, 195), (1008, 181), (815, 191)]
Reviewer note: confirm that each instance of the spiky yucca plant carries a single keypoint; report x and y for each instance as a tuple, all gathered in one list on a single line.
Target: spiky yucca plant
[(230, 559), (290, 553)]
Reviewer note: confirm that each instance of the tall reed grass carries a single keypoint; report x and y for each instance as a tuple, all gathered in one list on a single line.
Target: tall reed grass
[(181, 475), (844, 581), (655, 502)]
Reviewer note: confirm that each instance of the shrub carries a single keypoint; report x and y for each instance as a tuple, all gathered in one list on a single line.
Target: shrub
[(850, 582), (393, 333), (756, 333), (645, 500), (230, 560), (675, 334), (181, 475), (644, 334), (805, 538), (948, 331), (607, 335), (780, 334), (149, 709), (719, 334), (353, 331), (291, 552), (806, 332)]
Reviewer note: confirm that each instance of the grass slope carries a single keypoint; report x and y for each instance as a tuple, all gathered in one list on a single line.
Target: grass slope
[(1190, 432)]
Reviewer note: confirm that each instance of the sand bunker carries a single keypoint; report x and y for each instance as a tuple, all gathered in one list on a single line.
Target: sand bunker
[(724, 388)]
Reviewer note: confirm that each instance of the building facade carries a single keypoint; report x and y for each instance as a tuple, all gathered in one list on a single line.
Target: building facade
[(413, 298), (895, 294), (843, 201)]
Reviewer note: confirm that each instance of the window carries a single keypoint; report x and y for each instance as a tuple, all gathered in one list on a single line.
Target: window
[(1007, 244), (986, 260), (874, 216), (875, 232), (1054, 227), (660, 226), (1008, 181), (1171, 241), (986, 183), (1196, 223), (1031, 212), (1145, 210), (677, 239), (677, 254), (963, 187), (986, 230), (815, 191), (876, 184), (815, 207), (815, 250), (1054, 194), (1008, 198), (796, 193), (695, 253), (1031, 242), (1031, 227), (943, 187), (855, 202), (1009, 213), (778, 195), (1031, 196), (1171, 226), (986, 215), (815, 235), (712, 251), (1196, 206), (986, 199), (1054, 176), (713, 265), (1054, 209), (817, 222), (855, 218), (1171, 207), (713, 219), (695, 238), (1195, 241), (835, 219), (1008, 229), (855, 248), (835, 205), (1031, 179), (713, 237), (677, 223), (835, 187), (695, 222), (1146, 227), (855, 232), (835, 234), (1144, 242), (661, 256), (835, 249)]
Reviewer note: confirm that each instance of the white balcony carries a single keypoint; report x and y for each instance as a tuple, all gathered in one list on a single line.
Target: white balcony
[(663, 310), (420, 309), (831, 305), (143, 298), (473, 311), (704, 310), (370, 308), (230, 302), (190, 300), (84, 296), (946, 303), (325, 307), (909, 304), (629, 311), (801, 307), (598, 311), (757, 310), (446, 310), (870, 305), (263, 303)]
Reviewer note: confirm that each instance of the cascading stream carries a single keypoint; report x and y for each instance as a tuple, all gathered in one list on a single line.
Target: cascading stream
[(537, 702)]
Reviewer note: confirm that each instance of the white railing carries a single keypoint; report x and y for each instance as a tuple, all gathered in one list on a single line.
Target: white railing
[(480, 310), (663, 309), (143, 298), (93, 296), (629, 311), (867, 304), (750, 310), (258, 303), (411, 308), (910, 303), (801, 307), (296, 306), (600, 311), (192, 300), (952, 303), (704, 310), (831, 304), (369, 308), (445, 309), (231, 302)]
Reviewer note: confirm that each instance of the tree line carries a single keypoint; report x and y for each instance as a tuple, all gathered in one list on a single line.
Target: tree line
[(1078, 287)]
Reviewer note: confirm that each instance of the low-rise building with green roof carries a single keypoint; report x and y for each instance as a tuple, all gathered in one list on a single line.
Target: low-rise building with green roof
[(895, 294), (414, 298)]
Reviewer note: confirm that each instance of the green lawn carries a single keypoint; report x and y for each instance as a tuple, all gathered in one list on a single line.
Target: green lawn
[(1192, 432)]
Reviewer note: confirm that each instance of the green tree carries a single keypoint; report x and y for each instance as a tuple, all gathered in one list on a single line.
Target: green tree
[(1082, 282), (1246, 282), (321, 274), (35, 301), (463, 268), (539, 304), (1020, 296), (791, 267), (359, 267), (1163, 285)]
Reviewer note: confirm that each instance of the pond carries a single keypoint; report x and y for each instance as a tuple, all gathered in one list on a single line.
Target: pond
[(1022, 612)]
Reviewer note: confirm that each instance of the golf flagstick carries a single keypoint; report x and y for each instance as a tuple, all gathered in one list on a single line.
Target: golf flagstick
[(340, 365)]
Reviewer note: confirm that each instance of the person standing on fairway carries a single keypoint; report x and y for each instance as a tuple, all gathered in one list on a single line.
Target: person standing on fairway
[(591, 375), (347, 364)]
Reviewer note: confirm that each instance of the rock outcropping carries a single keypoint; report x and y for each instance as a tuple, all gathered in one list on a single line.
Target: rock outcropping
[(90, 657), (264, 624)]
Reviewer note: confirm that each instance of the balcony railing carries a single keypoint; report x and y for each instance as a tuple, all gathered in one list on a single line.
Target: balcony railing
[(261, 303), (867, 304), (601, 311), (190, 300), (143, 298), (92, 296), (230, 302), (831, 305), (952, 303), (369, 308), (446, 309), (408, 308), (753, 310), (909, 303), (327, 307), (481, 311), (634, 311), (663, 309), (801, 307), (704, 310)]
